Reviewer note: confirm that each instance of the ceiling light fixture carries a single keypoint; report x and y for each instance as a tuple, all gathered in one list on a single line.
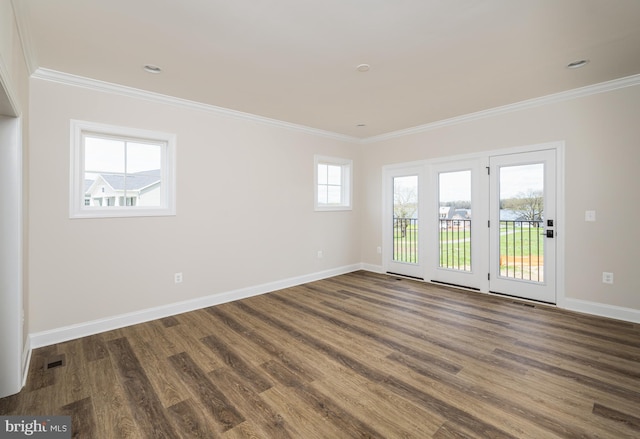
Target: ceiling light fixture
[(150, 68), (363, 67), (578, 64), (361, 125)]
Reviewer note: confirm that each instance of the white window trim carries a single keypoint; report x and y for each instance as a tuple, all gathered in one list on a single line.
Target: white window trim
[(347, 183), (77, 209)]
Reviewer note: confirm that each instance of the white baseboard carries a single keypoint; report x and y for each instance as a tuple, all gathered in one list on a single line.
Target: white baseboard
[(26, 360), (66, 333), (602, 310), (372, 268)]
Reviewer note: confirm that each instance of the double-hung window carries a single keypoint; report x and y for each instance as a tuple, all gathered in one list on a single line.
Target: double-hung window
[(119, 172), (333, 181)]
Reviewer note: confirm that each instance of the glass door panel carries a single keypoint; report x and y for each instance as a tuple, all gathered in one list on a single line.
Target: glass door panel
[(454, 220), (405, 219), (521, 214)]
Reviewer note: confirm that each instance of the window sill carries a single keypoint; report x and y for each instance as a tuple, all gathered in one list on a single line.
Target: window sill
[(332, 208), (114, 212)]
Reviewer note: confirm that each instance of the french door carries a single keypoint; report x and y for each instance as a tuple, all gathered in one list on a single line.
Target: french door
[(457, 208), (404, 250), (523, 223), (487, 222)]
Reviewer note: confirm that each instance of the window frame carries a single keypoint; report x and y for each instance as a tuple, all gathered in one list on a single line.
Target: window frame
[(77, 207), (346, 183)]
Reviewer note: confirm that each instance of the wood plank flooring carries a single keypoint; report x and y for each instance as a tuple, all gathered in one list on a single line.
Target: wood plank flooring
[(361, 355)]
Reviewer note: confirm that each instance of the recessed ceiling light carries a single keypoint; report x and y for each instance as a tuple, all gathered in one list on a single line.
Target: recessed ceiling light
[(363, 67), (150, 68), (578, 64), (361, 125)]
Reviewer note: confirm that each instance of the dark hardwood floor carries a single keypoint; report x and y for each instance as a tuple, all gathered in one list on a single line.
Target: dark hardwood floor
[(356, 356)]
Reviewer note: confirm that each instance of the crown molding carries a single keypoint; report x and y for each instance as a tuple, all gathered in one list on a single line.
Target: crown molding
[(20, 13), (7, 87), (568, 95), (108, 87)]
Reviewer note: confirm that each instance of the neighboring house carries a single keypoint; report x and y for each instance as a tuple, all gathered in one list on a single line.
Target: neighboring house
[(462, 214), (519, 218), (138, 189), (455, 216), (511, 215), (447, 212)]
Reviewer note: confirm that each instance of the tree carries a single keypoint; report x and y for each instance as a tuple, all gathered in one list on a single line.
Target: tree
[(460, 204), (405, 205), (530, 205)]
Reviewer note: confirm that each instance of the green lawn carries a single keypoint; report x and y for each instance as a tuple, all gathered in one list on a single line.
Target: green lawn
[(521, 241), (455, 249), (405, 248)]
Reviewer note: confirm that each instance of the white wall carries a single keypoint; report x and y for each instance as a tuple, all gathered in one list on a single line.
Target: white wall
[(245, 212), (601, 132)]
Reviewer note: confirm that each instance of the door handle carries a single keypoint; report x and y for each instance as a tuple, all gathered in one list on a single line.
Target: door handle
[(549, 234)]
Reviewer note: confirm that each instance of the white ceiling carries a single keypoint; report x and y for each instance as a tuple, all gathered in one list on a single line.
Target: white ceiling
[(295, 60)]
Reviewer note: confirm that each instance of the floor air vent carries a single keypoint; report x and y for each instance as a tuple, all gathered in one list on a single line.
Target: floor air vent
[(530, 305), (404, 276), (53, 362)]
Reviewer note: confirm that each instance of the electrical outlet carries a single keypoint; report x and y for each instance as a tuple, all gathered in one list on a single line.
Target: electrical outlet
[(177, 278), (590, 215), (320, 254), (607, 278), (379, 250)]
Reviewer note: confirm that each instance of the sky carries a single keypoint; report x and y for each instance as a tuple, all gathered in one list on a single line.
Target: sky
[(514, 180), (522, 179), (108, 155), (456, 186)]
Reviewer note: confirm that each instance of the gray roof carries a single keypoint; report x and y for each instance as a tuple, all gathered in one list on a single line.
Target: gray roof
[(87, 185), (511, 215), (135, 181)]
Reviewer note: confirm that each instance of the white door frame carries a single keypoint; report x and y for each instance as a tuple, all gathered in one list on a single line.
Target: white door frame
[(11, 247)]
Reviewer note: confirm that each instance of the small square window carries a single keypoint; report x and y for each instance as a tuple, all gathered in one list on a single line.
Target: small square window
[(332, 183), (119, 172)]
